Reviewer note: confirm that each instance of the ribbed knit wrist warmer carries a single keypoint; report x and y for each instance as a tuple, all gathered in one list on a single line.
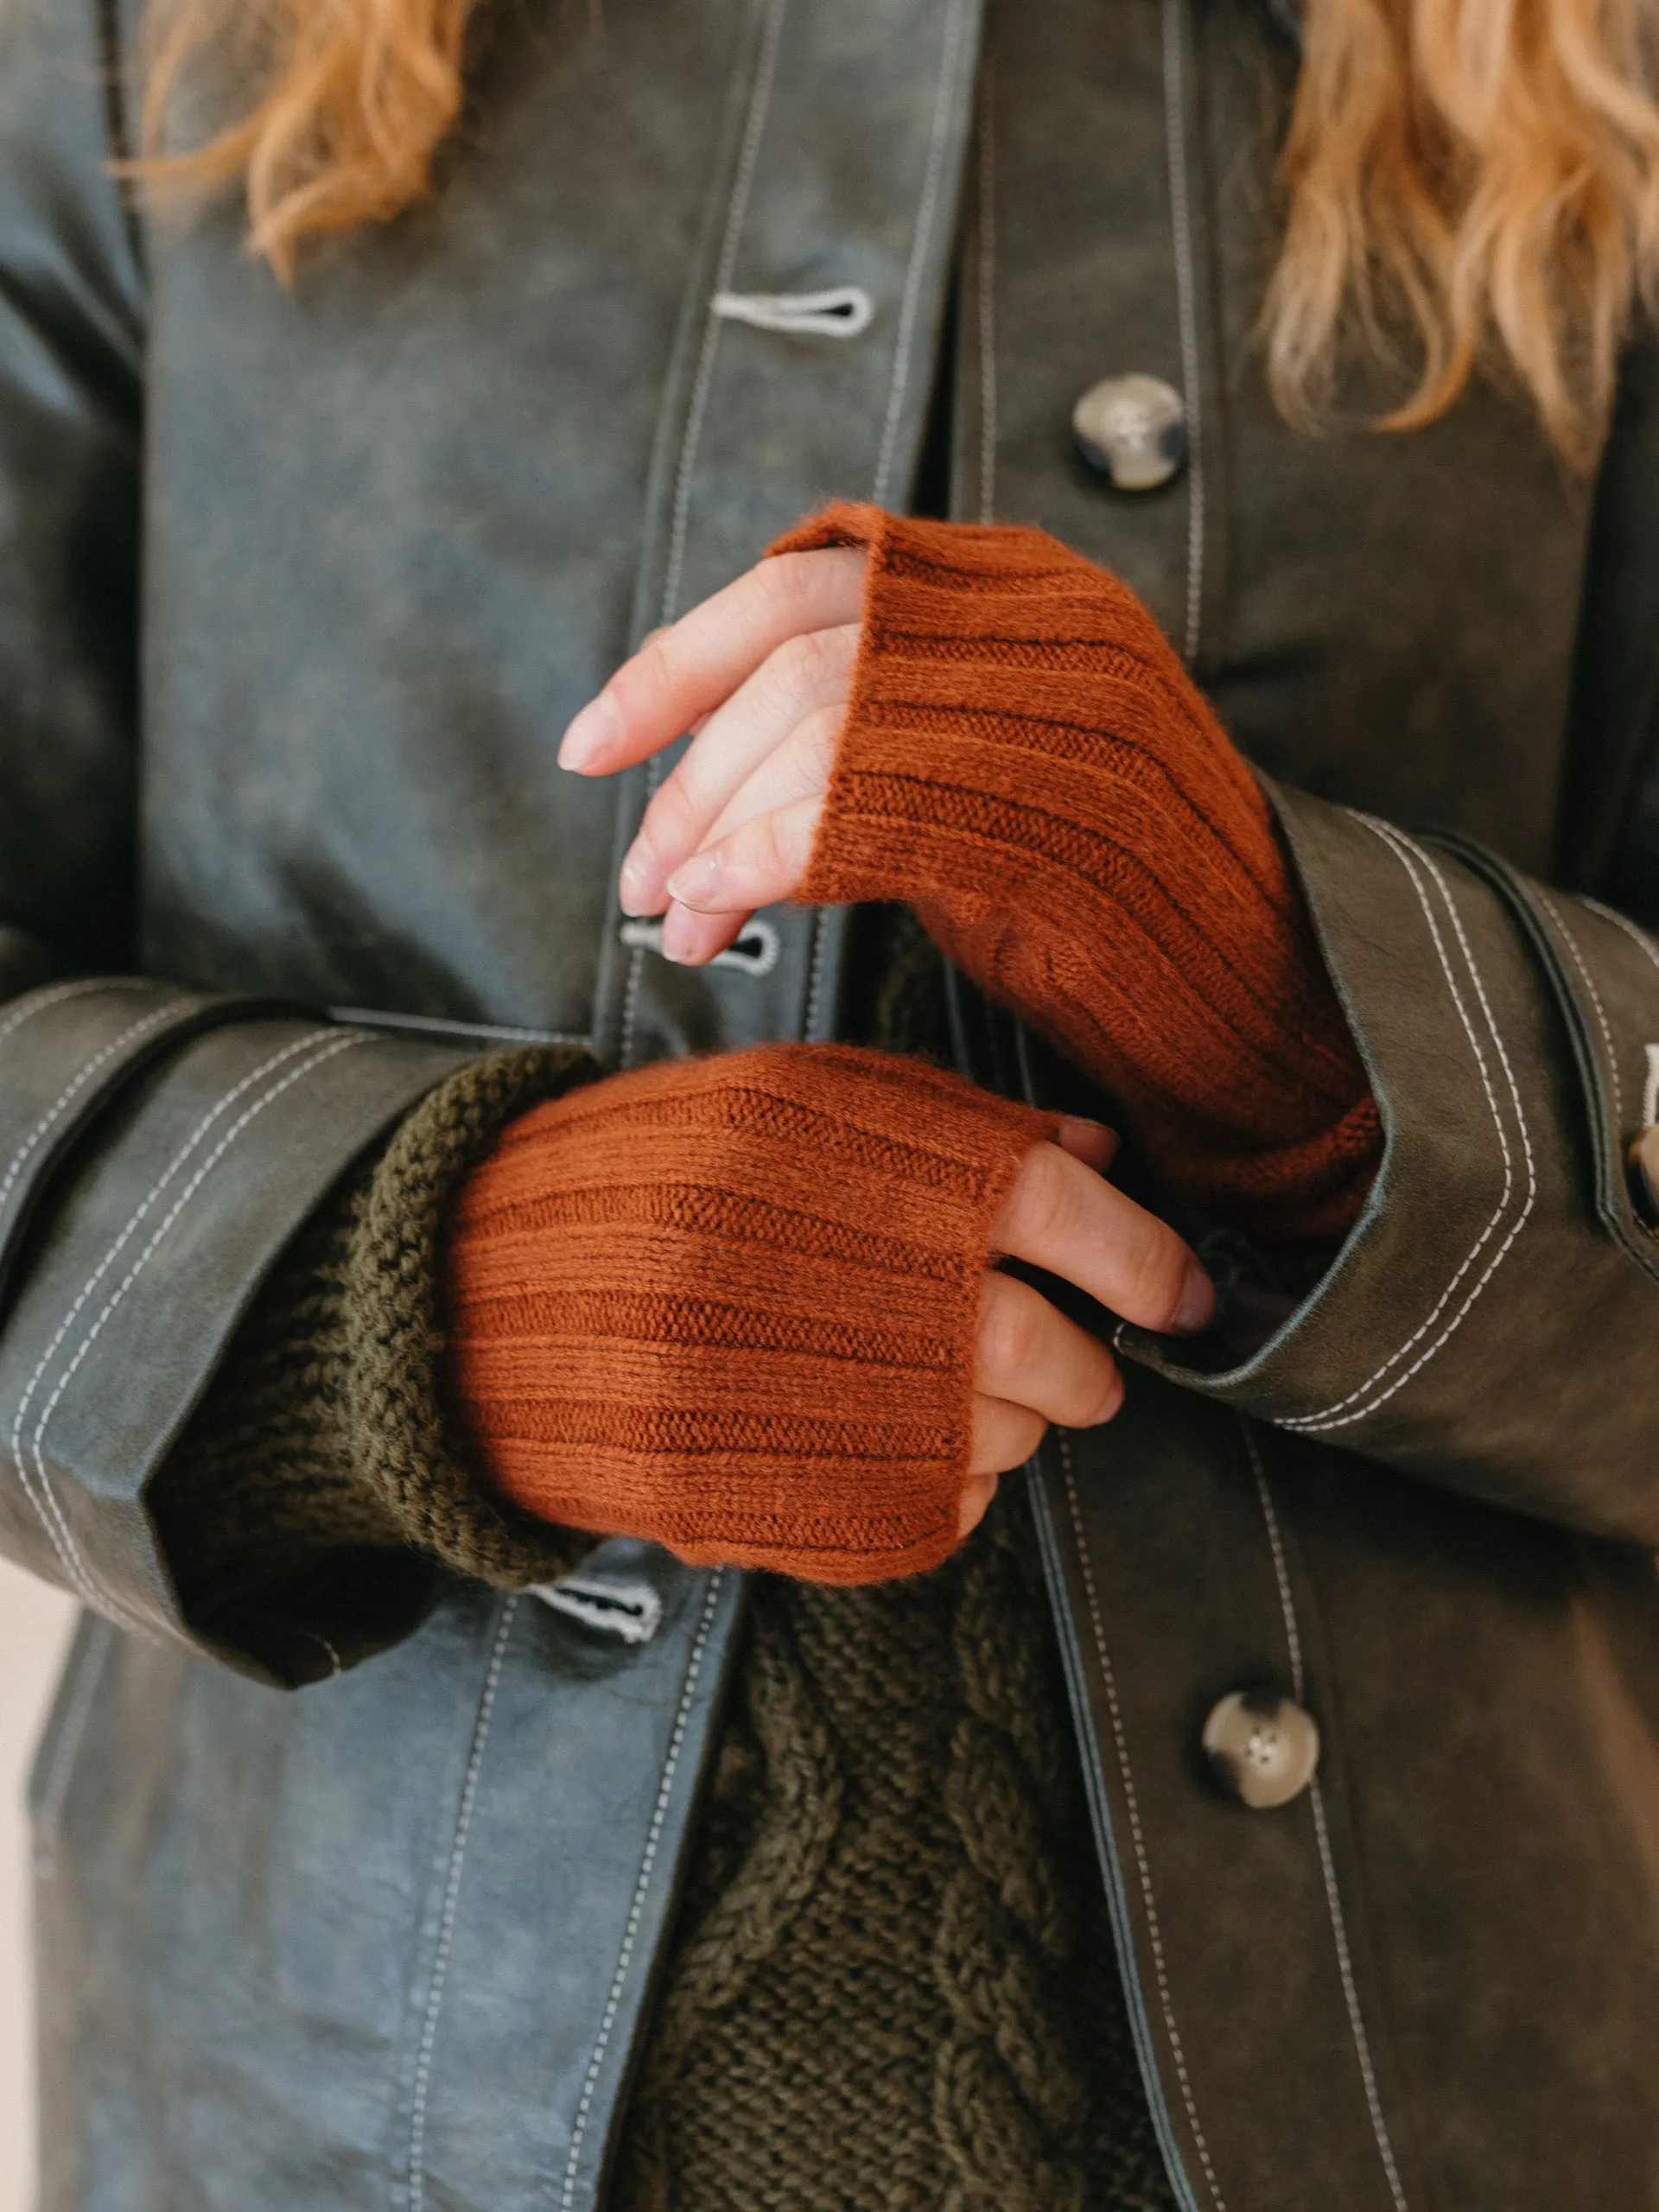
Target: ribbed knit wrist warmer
[(730, 1305), (1027, 763)]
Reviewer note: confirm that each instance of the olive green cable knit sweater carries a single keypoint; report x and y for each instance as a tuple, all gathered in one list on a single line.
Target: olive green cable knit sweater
[(891, 1988)]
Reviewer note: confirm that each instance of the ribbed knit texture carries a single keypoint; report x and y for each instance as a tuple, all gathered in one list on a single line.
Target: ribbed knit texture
[(1026, 761), (730, 1305)]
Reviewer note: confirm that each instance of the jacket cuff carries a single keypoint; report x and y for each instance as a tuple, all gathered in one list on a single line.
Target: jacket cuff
[(1488, 1320), (148, 1239)]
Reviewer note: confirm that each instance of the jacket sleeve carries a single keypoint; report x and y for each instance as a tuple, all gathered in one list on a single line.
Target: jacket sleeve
[(321, 1487), (159, 1148), (1492, 1320)]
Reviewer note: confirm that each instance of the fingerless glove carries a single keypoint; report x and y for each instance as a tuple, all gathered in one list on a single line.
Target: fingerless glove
[(730, 1305), (1027, 762)]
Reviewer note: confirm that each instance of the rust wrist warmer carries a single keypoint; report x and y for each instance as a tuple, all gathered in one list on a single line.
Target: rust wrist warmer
[(1027, 763), (730, 1305)]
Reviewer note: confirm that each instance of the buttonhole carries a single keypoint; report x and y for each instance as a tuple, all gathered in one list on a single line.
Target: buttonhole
[(632, 1611), (844, 311), (755, 953)]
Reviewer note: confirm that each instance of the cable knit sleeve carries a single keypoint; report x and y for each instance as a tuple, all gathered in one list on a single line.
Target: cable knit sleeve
[(1027, 762)]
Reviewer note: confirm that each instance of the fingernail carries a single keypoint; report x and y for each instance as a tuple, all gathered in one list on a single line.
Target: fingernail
[(636, 883), (1086, 1126), (589, 734), (1198, 1307), (673, 944), (696, 882)]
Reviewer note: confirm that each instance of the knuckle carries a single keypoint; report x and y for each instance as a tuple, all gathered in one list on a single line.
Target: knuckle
[(766, 857), (1006, 1335), (658, 658), (1078, 1395), (803, 664), (672, 811), (1043, 1198), (652, 669), (785, 580)]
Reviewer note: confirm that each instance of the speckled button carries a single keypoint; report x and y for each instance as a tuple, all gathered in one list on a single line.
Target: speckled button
[(1133, 430), (1263, 1749), (1642, 1160)]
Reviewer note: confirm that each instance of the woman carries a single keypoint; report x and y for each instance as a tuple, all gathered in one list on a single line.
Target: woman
[(460, 1212)]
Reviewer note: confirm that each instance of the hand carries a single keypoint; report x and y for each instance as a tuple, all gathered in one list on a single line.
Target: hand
[(761, 673), (666, 1320), (1033, 1365)]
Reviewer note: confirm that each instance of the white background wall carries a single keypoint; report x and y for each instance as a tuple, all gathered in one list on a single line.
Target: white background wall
[(35, 1627)]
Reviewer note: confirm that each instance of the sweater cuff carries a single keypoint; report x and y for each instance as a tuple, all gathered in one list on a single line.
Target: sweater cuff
[(401, 1434), (311, 1503)]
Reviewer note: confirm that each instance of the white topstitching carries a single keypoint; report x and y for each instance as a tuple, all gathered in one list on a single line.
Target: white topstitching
[(451, 1901), (637, 1906), (1322, 1836), (46, 1504), (1337, 1414), (1131, 1801), (926, 214), (1174, 31), (1589, 982)]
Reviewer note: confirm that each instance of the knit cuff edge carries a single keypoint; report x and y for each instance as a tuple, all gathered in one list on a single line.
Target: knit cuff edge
[(403, 1440)]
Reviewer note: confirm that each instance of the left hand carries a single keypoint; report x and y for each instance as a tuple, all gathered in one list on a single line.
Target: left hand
[(761, 674)]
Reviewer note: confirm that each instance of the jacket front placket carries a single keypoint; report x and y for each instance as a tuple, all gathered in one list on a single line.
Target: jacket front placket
[(490, 1938), (801, 373), (1166, 1572)]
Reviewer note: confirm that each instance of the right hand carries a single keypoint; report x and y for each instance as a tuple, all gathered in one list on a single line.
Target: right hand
[(1034, 1366), (761, 674)]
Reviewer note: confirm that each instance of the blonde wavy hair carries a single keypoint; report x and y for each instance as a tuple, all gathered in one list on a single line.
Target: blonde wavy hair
[(1466, 182)]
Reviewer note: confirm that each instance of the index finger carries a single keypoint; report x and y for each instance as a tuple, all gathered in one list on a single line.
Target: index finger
[(1060, 1216), (684, 672)]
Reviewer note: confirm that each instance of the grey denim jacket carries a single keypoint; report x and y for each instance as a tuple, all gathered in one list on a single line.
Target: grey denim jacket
[(297, 593)]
